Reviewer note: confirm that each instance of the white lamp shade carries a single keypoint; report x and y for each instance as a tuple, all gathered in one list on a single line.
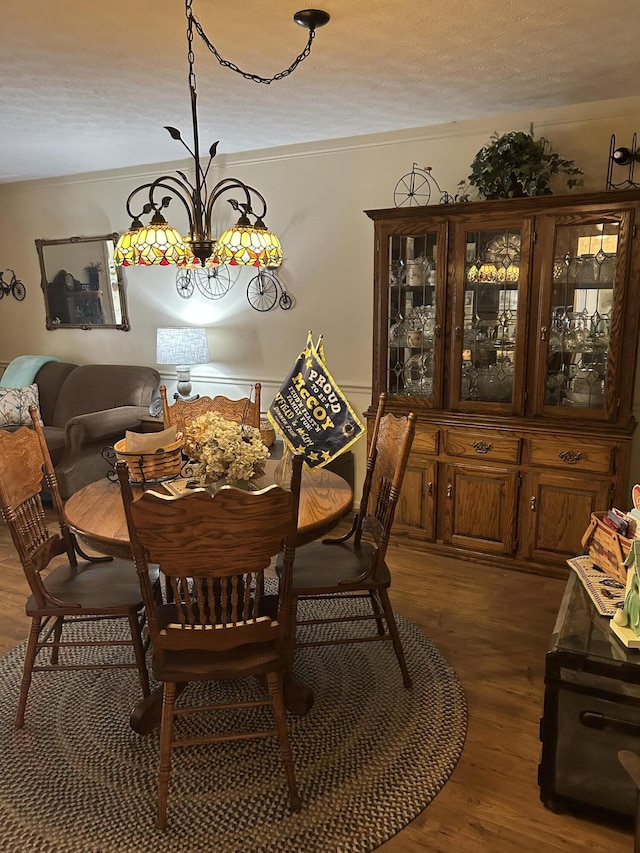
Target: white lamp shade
[(182, 345)]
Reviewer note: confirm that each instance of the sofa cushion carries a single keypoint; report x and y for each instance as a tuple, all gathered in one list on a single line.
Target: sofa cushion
[(14, 405), (49, 380), (96, 387), (54, 436)]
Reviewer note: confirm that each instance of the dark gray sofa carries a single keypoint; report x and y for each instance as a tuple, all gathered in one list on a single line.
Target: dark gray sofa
[(87, 407)]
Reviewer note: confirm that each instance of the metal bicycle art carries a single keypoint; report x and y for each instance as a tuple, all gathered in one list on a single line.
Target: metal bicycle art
[(416, 187), (14, 287), (263, 290), (212, 283)]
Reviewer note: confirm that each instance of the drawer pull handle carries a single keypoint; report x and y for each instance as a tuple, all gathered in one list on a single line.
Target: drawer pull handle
[(532, 504), (570, 457), (449, 490), (430, 489), (596, 720), (482, 446)]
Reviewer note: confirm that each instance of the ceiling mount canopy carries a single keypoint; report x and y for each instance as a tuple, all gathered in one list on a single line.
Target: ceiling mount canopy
[(311, 18), (248, 242)]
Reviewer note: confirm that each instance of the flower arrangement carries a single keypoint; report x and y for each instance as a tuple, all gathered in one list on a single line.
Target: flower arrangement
[(223, 449)]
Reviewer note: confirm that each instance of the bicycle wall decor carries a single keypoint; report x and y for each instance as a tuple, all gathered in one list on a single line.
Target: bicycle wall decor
[(264, 291), (13, 287)]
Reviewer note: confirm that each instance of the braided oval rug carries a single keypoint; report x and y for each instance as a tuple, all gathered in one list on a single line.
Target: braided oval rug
[(369, 757)]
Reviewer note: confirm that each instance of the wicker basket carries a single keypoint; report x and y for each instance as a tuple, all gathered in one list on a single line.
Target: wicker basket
[(267, 432), (162, 464), (606, 548)]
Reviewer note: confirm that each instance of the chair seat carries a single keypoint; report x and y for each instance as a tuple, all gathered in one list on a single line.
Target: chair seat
[(319, 568), (200, 665), (110, 587)]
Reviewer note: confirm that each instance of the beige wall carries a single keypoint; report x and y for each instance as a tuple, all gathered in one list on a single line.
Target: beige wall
[(316, 195)]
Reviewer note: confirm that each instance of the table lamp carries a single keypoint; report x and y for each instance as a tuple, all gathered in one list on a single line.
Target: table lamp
[(182, 346)]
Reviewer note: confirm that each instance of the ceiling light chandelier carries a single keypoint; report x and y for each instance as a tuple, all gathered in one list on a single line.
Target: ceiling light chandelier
[(249, 241)]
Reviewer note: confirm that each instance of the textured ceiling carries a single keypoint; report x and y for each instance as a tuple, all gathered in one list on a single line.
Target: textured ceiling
[(90, 86)]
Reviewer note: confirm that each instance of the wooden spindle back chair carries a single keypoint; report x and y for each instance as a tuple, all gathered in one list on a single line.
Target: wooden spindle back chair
[(213, 551), (93, 590), (355, 563)]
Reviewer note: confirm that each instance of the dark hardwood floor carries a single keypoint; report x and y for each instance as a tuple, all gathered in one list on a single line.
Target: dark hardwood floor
[(493, 626)]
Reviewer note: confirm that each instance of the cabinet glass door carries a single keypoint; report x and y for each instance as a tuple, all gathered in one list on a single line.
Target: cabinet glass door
[(487, 322), (413, 316), (582, 301)]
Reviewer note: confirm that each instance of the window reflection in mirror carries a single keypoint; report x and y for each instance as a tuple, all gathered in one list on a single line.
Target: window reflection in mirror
[(82, 286)]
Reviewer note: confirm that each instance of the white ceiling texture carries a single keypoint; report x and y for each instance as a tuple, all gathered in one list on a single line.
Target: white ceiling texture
[(89, 86)]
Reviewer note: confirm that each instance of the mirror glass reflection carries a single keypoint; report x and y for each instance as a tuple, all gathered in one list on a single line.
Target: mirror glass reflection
[(82, 286)]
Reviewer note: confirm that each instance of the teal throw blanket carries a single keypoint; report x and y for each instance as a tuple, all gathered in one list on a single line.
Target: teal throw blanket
[(23, 369)]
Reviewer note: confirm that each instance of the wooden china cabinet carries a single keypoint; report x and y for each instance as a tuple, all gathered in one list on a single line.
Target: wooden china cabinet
[(511, 329)]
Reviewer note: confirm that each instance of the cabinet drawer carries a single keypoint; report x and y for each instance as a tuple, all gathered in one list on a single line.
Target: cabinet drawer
[(475, 444), (571, 454), (425, 440)]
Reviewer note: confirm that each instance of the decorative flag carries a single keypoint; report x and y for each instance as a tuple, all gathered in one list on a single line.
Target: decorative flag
[(311, 413)]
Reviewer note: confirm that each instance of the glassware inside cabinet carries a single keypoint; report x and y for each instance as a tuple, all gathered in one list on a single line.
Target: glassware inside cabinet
[(582, 297), (412, 314), (492, 277)]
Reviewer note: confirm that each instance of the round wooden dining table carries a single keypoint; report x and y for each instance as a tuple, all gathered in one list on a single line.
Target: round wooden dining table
[(96, 516), (95, 513)]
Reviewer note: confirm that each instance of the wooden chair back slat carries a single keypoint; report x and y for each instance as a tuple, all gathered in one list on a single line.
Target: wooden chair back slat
[(26, 467), (243, 411), (22, 466), (213, 551), (387, 460)]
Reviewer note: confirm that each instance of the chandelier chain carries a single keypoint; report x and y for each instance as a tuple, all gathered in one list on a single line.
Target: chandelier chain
[(190, 54), (247, 75)]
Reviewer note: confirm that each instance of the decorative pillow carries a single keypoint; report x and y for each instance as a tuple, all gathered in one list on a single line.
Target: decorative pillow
[(14, 405)]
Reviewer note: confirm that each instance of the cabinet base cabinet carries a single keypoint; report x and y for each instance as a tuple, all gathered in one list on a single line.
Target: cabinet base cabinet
[(479, 508), (524, 502), (415, 511), (553, 513)]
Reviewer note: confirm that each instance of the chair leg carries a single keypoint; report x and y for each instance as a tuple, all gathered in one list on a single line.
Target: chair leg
[(29, 660), (377, 609), (290, 640), (395, 636), (138, 650), (166, 736), (57, 636), (276, 694)]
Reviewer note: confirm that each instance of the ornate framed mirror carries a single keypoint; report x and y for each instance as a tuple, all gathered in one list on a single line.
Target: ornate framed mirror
[(83, 288)]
